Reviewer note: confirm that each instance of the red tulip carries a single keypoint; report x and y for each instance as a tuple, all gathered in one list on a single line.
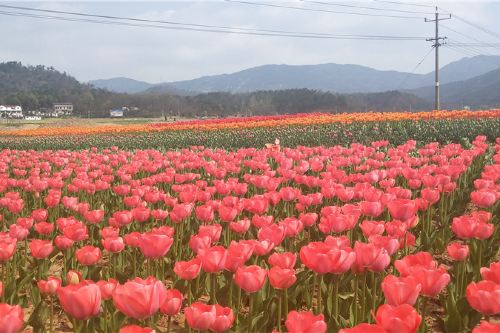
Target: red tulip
[(484, 297), (213, 259), (282, 260), (153, 245), (213, 231), (200, 316), (371, 228), (413, 262), (458, 251), (159, 214), (370, 208), (224, 318), (305, 322), (188, 270), (364, 328), (49, 286), (491, 273), (433, 280), (123, 217), (88, 255), (262, 248), (250, 278), (308, 219), (322, 258), (81, 301), (430, 195), (260, 221), (76, 231), (132, 239), (486, 327), (197, 242), (204, 213), (93, 216), (40, 215), (400, 290), (398, 319), (113, 244), (107, 288), (7, 248), (140, 214), (135, 329), (63, 242), (11, 318), (274, 233), (337, 222), (139, 298), (389, 243), (371, 257), (241, 226), (41, 249), (402, 209), (238, 254), (467, 227), (282, 278), (18, 232), (44, 228), (173, 302), (483, 198)]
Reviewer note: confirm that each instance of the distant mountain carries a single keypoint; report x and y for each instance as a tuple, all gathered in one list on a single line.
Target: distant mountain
[(479, 91), (465, 68), (325, 77), (131, 86), (121, 85)]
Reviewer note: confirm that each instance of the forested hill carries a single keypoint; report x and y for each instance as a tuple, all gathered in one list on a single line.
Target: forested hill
[(33, 87)]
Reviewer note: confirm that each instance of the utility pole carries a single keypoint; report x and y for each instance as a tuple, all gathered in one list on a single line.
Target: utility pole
[(437, 43)]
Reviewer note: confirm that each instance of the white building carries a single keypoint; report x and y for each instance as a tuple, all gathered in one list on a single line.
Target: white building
[(11, 111), (63, 109), (117, 113), (32, 118)]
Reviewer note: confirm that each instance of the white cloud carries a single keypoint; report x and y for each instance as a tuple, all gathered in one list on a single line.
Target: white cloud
[(90, 51)]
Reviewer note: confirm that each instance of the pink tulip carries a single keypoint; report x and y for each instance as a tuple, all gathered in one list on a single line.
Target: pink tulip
[(140, 298), (81, 301)]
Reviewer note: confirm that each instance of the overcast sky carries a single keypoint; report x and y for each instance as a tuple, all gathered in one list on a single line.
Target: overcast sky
[(94, 51)]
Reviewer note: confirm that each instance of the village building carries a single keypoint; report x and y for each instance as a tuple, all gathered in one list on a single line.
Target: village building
[(62, 109), (11, 111)]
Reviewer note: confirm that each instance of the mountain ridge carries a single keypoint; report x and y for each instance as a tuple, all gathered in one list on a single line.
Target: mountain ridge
[(324, 77)]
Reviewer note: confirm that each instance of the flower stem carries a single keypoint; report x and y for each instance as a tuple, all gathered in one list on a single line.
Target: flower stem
[(279, 311)]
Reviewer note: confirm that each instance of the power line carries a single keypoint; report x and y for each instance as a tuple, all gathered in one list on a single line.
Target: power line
[(185, 28), (322, 10), (365, 7), (414, 68), (405, 3), (477, 26), (197, 25), (477, 44), (462, 50), (468, 36)]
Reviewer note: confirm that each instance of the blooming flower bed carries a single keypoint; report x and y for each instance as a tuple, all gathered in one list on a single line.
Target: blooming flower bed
[(365, 238), (258, 122), (237, 135)]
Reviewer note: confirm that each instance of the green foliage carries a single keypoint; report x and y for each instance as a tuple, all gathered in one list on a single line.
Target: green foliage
[(290, 136)]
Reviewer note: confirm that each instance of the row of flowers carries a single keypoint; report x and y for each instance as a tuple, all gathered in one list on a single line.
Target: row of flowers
[(345, 239), (257, 121)]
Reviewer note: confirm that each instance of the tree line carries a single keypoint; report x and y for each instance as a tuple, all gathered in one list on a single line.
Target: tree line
[(35, 87)]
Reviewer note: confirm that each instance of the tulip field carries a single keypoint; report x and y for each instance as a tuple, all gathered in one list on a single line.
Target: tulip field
[(396, 236)]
